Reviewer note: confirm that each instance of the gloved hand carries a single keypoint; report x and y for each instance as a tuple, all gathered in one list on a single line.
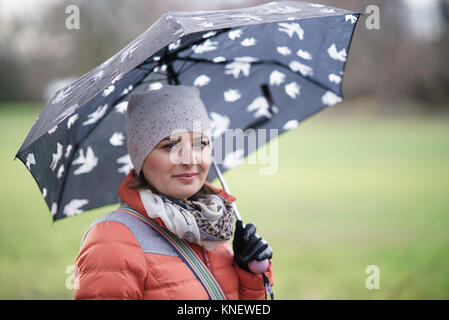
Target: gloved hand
[(248, 246)]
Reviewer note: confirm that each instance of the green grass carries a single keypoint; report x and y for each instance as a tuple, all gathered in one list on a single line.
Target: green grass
[(349, 192)]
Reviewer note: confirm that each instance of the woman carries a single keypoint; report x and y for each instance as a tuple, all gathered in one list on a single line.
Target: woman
[(128, 254)]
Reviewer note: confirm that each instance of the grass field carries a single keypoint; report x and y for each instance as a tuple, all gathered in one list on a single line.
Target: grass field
[(350, 191)]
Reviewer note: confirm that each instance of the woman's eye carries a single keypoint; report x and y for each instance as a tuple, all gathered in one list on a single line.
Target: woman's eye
[(203, 144), (196, 145), (169, 146)]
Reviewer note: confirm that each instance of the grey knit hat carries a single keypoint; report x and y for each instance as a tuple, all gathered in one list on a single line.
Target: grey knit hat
[(155, 114)]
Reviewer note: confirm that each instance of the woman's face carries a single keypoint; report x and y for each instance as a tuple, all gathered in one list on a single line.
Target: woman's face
[(180, 153)]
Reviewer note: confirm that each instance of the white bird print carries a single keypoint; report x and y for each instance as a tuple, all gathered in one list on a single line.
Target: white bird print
[(117, 77), (127, 90), (54, 208), (334, 78), (61, 95), (72, 120), (276, 78), (290, 124), (292, 89), (108, 90), (248, 42), (52, 130), (237, 67), (44, 192), (67, 112), (233, 159), (335, 54), (234, 34), (302, 68), (219, 59), (207, 24), (74, 207), (174, 45), (60, 171), (68, 150), (291, 29), (117, 139), (208, 45), (219, 124), (209, 34), (351, 18), (96, 115), (287, 9), (121, 107), (330, 98), (201, 80), (30, 160), (246, 17), (126, 163), (87, 162), (232, 95), (304, 54), (285, 51), (56, 156), (128, 52), (245, 59), (155, 86), (98, 75), (261, 105)]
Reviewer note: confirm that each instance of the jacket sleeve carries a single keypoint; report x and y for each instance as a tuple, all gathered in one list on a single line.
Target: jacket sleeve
[(110, 264), (251, 285)]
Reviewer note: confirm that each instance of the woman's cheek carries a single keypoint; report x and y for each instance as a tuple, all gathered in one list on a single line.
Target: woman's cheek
[(206, 157), (161, 162), (157, 165)]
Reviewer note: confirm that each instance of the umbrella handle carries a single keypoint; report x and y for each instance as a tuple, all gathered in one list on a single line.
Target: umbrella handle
[(255, 266)]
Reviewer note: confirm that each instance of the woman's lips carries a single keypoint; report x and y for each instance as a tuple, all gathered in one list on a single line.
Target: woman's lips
[(187, 177)]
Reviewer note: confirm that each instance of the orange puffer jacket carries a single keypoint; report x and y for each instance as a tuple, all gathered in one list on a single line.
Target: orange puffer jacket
[(122, 258)]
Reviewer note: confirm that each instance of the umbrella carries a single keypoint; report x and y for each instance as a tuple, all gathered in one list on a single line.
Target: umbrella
[(263, 67)]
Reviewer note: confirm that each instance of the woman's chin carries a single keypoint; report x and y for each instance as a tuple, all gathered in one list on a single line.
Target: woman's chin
[(184, 191)]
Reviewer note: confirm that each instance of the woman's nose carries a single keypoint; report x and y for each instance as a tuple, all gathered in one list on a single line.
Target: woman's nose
[(189, 155)]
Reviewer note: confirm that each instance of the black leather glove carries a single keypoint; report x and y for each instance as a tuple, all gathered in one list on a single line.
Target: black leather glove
[(248, 246)]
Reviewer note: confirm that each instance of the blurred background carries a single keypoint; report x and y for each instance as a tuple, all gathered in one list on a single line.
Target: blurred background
[(364, 182)]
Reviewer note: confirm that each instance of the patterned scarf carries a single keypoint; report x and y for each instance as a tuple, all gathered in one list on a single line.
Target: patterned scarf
[(207, 221)]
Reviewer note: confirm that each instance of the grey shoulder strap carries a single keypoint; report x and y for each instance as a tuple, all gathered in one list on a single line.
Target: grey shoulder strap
[(148, 239)]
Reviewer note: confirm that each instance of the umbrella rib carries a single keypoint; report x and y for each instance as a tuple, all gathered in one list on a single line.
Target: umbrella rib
[(189, 46), (184, 63), (152, 80), (258, 62)]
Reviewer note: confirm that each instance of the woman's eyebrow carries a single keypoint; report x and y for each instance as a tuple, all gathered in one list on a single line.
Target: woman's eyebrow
[(179, 139), (171, 139)]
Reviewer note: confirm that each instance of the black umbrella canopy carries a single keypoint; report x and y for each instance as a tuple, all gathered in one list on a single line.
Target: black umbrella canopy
[(263, 67)]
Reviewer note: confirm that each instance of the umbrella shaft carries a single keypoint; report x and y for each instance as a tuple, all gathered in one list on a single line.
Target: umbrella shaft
[(225, 187)]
